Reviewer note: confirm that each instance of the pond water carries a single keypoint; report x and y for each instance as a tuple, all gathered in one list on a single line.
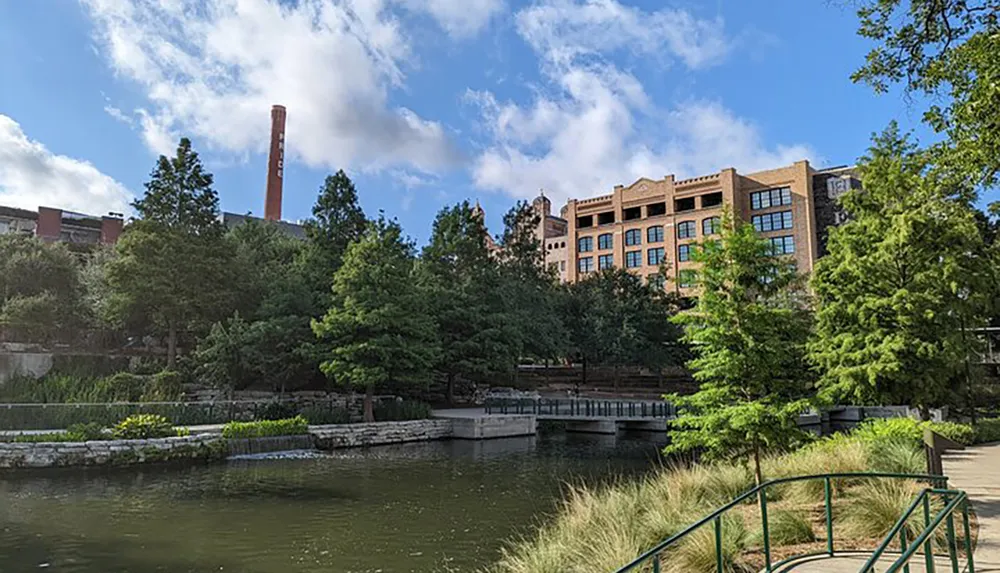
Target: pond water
[(426, 508)]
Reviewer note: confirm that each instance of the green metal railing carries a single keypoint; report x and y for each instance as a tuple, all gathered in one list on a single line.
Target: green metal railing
[(581, 408), (655, 555), (954, 500)]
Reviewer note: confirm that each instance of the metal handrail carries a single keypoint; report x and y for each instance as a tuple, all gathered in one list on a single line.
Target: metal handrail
[(654, 554), (581, 407)]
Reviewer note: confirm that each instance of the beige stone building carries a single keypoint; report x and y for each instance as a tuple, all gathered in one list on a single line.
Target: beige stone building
[(654, 222)]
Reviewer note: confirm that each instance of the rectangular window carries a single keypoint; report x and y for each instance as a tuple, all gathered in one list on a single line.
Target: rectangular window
[(4, 227), (585, 221), (655, 256), (772, 221), (685, 204), (585, 244), (683, 253), (604, 241), (656, 281), (654, 234), (711, 226), (783, 245), (711, 200), (586, 264), (771, 198), (633, 259), (605, 262), (656, 209), (632, 213), (685, 278), (606, 218), (633, 237), (562, 265), (685, 230)]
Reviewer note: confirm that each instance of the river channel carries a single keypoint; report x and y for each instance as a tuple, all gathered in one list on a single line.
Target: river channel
[(415, 508)]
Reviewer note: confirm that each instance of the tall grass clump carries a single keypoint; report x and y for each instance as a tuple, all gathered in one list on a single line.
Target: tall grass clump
[(785, 527), (696, 553), (876, 505)]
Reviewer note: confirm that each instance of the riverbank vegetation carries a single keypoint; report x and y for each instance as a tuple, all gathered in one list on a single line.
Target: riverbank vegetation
[(266, 428), (601, 529)]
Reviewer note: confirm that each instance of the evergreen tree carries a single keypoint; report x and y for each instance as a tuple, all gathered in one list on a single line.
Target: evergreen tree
[(462, 283), (748, 332), (40, 289), (172, 266), (377, 329), (179, 194), (904, 280)]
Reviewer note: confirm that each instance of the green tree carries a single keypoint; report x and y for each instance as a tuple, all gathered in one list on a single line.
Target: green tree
[(748, 332), (948, 50), (377, 329), (530, 289), (179, 194), (172, 266), (40, 290), (461, 281), (903, 281)]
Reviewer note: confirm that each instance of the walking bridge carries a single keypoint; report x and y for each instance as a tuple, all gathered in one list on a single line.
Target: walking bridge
[(589, 415)]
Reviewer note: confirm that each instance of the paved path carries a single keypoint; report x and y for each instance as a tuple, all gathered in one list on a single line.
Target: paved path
[(975, 470)]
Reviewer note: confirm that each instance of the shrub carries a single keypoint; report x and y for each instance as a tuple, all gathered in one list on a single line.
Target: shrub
[(386, 411), (897, 457), (911, 430), (876, 505), (265, 428), (88, 431), (120, 387), (786, 528), (143, 426), (326, 415), (988, 430), (697, 552), (277, 411), (165, 386)]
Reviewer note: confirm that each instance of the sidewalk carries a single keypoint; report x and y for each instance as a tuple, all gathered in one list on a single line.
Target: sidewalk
[(976, 470)]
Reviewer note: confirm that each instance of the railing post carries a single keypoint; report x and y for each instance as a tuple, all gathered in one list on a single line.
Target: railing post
[(656, 563), (763, 524), (902, 547), (952, 545), (718, 545), (968, 537), (928, 544), (828, 494)]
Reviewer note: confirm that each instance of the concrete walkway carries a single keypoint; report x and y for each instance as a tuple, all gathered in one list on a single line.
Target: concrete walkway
[(976, 471)]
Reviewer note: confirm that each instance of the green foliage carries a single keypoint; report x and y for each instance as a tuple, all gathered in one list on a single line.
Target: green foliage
[(697, 551), (143, 427), (179, 194), (460, 279), (266, 428), (748, 333), (987, 430), (40, 291), (910, 431), (387, 411), (902, 281), (877, 506), (337, 220), (121, 387), (786, 527), (75, 433), (318, 415), (897, 457), (947, 51), (164, 386), (377, 329)]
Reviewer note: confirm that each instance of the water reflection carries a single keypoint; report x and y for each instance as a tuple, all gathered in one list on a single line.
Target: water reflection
[(408, 508)]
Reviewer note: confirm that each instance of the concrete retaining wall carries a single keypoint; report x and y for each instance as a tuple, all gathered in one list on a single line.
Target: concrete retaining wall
[(488, 427), (109, 452), (378, 433)]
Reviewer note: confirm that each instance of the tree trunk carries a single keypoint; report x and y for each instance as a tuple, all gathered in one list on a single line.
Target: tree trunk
[(614, 378), (171, 345), (584, 370), (758, 476), (450, 392), (369, 403), (925, 412)]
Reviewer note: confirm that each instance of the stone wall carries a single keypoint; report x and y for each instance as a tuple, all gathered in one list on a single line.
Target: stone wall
[(110, 452), (378, 433)]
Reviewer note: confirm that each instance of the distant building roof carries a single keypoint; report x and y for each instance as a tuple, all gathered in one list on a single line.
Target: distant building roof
[(16, 213), (231, 220)]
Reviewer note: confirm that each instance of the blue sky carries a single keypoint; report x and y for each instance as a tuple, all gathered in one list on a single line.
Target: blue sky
[(424, 102)]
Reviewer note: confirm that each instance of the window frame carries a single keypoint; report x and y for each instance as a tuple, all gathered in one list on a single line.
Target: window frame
[(580, 266), (715, 226), (629, 234), (610, 240), (590, 244), (683, 253), (685, 225), (661, 251), (631, 256), (602, 258), (658, 232)]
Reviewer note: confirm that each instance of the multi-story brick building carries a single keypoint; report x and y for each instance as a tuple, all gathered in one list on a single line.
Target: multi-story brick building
[(52, 224), (654, 223)]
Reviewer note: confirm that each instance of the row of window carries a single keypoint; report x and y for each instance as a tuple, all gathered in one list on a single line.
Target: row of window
[(771, 198), (779, 246), (633, 237), (772, 221)]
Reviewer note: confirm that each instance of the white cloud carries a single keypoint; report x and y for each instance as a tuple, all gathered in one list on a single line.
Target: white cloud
[(460, 18), (32, 176), (212, 69), (595, 126)]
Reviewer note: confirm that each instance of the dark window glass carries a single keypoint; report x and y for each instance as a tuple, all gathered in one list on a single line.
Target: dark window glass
[(633, 259), (585, 244), (604, 242), (654, 234), (684, 253), (711, 226), (655, 256), (586, 264), (605, 262), (633, 237)]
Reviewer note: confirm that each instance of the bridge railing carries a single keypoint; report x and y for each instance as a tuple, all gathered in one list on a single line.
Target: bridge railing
[(581, 408), (654, 557)]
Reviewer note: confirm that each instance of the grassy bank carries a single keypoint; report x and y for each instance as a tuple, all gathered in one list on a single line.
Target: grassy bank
[(601, 529)]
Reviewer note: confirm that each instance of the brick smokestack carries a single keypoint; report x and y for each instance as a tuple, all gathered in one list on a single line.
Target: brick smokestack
[(275, 164)]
